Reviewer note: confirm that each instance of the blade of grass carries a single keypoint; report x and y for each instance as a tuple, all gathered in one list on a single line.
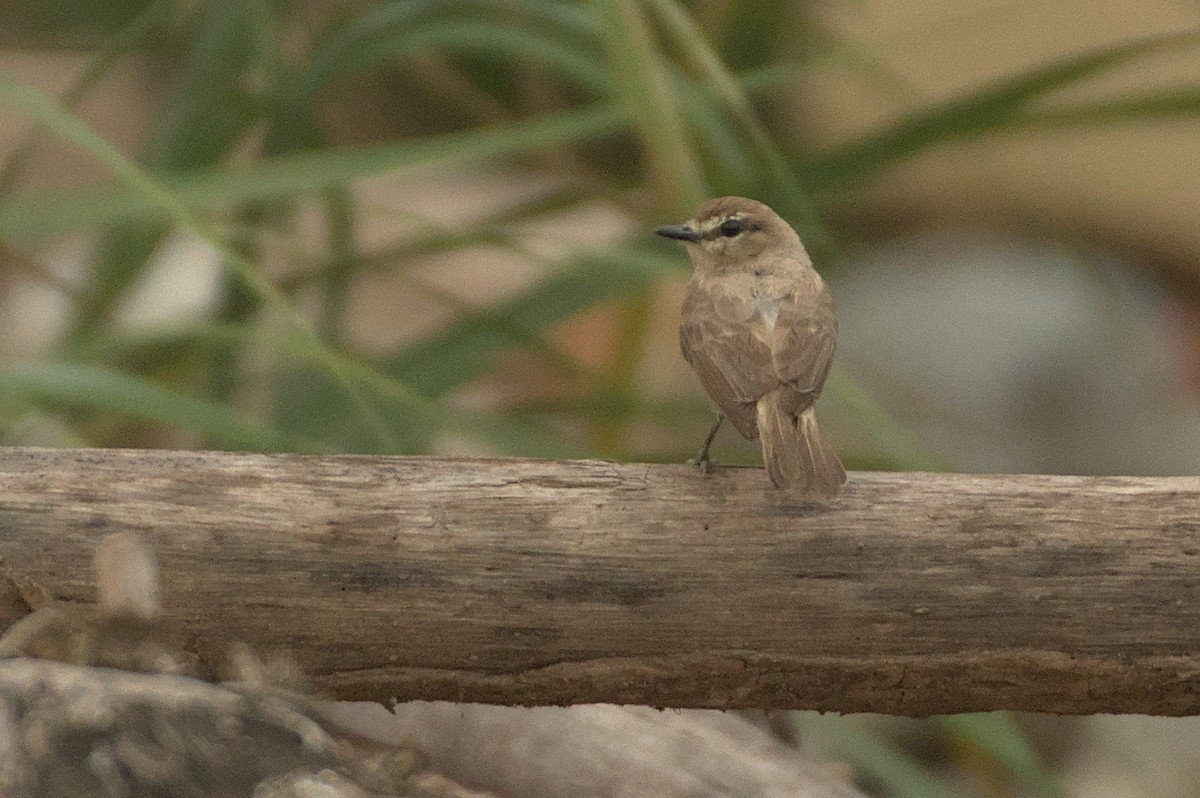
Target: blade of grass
[(997, 735), (306, 173), (338, 273), (845, 740), (609, 431), (340, 368), (470, 345), (317, 411), (365, 40), (996, 106), (896, 446), (507, 42), (205, 112), (165, 343), (79, 385), (673, 169), (721, 149), (494, 229), (704, 61), (389, 31), (135, 33), (151, 191), (1167, 105), (648, 97), (40, 215), (207, 106), (23, 425)]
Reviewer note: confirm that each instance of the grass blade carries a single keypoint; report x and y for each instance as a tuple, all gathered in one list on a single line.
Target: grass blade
[(337, 366), (999, 737), (148, 22), (791, 199), (469, 346), (994, 107), (843, 739), (77, 385), (1166, 105), (373, 35), (41, 215), (52, 213), (647, 95)]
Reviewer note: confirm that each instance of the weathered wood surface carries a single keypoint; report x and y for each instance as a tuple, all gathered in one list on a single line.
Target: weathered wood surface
[(527, 582)]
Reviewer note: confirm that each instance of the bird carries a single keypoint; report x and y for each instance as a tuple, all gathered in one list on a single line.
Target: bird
[(759, 329)]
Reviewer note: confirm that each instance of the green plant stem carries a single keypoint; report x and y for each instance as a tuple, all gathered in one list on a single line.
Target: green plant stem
[(142, 26), (704, 61), (342, 370), (647, 96)]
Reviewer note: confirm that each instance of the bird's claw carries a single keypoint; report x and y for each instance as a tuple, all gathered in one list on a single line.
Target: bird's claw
[(702, 464)]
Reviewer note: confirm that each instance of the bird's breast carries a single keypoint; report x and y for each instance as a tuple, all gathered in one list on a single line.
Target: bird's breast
[(768, 309), (770, 292), (750, 298)]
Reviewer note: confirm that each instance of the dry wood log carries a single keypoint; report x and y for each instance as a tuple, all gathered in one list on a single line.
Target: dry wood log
[(71, 731), (534, 582)]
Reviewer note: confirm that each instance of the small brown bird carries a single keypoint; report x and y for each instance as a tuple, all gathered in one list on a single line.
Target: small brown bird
[(759, 330)]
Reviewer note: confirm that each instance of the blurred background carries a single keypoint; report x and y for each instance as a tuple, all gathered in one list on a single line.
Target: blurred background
[(425, 227)]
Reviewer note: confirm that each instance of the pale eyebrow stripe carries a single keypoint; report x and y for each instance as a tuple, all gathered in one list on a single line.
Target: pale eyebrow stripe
[(716, 221), (709, 229)]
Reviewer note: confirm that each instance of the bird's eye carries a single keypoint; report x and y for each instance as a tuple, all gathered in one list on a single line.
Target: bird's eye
[(731, 227)]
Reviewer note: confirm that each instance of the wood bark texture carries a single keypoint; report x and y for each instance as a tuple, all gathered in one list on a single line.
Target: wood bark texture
[(537, 582)]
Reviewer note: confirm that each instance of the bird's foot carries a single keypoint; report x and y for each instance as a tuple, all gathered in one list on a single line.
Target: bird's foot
[(702, 464)]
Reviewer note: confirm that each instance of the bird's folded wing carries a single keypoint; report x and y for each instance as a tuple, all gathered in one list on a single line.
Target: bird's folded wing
[(803, 343), (733, 361)]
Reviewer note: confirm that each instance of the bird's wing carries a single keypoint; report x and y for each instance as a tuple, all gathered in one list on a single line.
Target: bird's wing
[(804, 340), (730, 353)]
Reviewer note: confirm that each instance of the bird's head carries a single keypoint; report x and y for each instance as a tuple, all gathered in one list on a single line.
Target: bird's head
[(729, 232)]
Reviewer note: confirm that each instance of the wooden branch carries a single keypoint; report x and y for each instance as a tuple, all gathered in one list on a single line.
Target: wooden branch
[(533, 582)]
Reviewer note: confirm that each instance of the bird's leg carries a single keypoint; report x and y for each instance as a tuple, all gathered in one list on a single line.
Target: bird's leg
[(701, 460)]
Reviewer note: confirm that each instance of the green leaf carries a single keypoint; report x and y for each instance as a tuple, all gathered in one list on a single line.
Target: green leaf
[(84, 20), (997, 106), (509, 44), (349, 375), (49, 213), (553, 34), (312, 406), (41, 215), (133, 35), (843, 739), (648, 97), (997, 735), (205, 113), (78, 385), (121, 257), (1166, 105), (206, 108), (381, 32), (894, 446), (469, 346), (787, 194)]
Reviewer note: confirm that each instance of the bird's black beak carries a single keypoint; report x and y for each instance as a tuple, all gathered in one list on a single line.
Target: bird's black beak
[(680, 232)]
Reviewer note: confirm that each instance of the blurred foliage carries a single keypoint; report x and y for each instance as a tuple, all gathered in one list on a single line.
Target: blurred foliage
[(643, 105)]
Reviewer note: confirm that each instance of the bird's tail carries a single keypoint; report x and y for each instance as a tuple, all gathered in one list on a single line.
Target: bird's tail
[(796, 457)]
